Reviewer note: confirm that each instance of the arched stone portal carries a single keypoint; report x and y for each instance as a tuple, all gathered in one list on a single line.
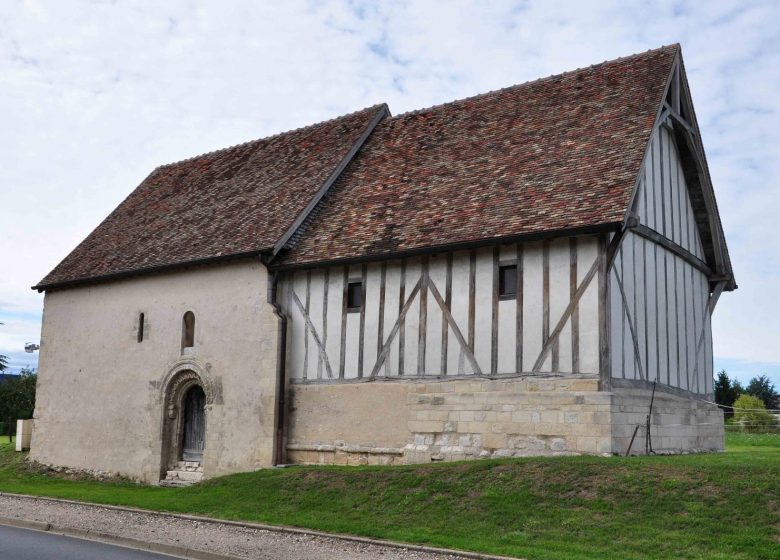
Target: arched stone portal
[(188, 392)]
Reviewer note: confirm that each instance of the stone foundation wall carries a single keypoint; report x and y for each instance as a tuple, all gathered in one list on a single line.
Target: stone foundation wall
[(680, 422), (419, 421)]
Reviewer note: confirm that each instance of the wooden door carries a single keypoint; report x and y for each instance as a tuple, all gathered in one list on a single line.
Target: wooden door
[(194, 425)]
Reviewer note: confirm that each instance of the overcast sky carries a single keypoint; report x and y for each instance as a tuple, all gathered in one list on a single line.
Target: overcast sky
[(94, 95)]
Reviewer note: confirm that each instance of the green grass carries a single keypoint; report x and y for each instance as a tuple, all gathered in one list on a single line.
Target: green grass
[(712, 506)]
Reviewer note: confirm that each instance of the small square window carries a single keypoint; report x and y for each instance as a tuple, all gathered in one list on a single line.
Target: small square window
[(354, 296), (507, 281)]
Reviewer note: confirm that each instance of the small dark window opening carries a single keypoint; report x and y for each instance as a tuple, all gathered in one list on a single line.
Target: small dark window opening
[(141, 327), (188, 330), (507, 281), (354, 296)]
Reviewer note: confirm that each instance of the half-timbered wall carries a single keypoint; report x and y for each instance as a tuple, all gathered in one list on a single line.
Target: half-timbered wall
[(662, 200), (441, 315), (659, 318)]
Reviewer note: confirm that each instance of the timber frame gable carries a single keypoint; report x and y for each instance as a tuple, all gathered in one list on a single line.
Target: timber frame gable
[(676, 114)]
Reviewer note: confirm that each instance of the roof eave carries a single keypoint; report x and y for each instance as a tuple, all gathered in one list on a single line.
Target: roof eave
[(41, 287), (606, 227)]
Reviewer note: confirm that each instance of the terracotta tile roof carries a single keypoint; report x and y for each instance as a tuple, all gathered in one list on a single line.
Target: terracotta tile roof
[(235, 201), (555, 154)]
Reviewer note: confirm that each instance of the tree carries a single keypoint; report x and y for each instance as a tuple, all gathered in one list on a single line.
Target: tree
[(751, 414), (764, 389), (17, 396), (726, 392), (3, 363)]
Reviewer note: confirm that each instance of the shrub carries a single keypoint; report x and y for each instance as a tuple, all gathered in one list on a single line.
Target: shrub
[(751, 414)]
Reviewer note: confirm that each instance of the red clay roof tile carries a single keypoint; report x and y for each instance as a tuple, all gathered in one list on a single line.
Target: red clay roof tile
[(233, 201), (554, 154)]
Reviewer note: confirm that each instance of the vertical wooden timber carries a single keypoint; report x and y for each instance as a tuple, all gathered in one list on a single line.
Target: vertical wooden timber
[(605, 361), (685, 326), (380, 338), (634, 289), (519, 312), (324, 318), (644, 302), (472, 296), (546, 303), (494, 315), (344, 322), (423, 327), (402, 322), (444, 325), (306, 327), (363, 290), (575, 314)]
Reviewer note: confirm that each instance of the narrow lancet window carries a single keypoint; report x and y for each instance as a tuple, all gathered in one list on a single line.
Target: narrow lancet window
[(188, 330), (141, 327)]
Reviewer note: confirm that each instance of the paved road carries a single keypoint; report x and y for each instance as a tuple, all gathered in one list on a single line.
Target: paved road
[(24, 544), (233, 541)]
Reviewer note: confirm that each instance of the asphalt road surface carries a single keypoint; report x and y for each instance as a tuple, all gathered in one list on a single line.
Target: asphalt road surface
[(24, 544)]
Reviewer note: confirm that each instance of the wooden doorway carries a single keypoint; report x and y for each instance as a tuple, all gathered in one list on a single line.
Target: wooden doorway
[(194, 432)]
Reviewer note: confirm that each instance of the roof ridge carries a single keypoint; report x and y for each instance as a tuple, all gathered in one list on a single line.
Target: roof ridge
[(271, 137), (530, 82)]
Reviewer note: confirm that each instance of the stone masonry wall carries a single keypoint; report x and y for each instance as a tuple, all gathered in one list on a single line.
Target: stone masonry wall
[(434, 420), (679, 422)]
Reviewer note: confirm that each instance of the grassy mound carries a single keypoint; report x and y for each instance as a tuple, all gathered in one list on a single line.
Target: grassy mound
[(695, 506)]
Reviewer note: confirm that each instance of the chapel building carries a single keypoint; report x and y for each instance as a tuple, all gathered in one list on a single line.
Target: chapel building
[(517, 273)]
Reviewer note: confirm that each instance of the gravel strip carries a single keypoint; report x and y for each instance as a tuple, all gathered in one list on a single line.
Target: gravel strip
[(230, 540)]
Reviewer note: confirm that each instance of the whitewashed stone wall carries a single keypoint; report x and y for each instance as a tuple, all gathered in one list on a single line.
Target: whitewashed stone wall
[(100, 391)]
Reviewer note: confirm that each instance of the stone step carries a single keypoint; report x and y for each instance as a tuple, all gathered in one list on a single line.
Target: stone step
[(191, 466), (184, 475)]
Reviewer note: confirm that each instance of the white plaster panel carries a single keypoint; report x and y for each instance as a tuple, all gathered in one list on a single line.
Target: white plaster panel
[(371, 330), (507, 336), (640, 300), (671, 319), (392, 308), (616, 318), (412, 320), (456, 362), (560, 289), (437, 271), (484, 308), (652, 312), (298, 327), (316, 304), (658, 200), (674, 195), (662, 289), (627, 275), (682, 363), (690, 338), (587, 253), (532, 304), (335, 306), (666, 186)]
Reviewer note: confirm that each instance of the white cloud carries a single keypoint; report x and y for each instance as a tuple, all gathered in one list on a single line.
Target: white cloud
[(96, 94)]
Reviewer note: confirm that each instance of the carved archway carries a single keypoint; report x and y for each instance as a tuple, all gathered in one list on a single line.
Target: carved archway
[(181, 377)]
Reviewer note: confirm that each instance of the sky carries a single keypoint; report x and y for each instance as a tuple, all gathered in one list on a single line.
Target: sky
[(94, 95)]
